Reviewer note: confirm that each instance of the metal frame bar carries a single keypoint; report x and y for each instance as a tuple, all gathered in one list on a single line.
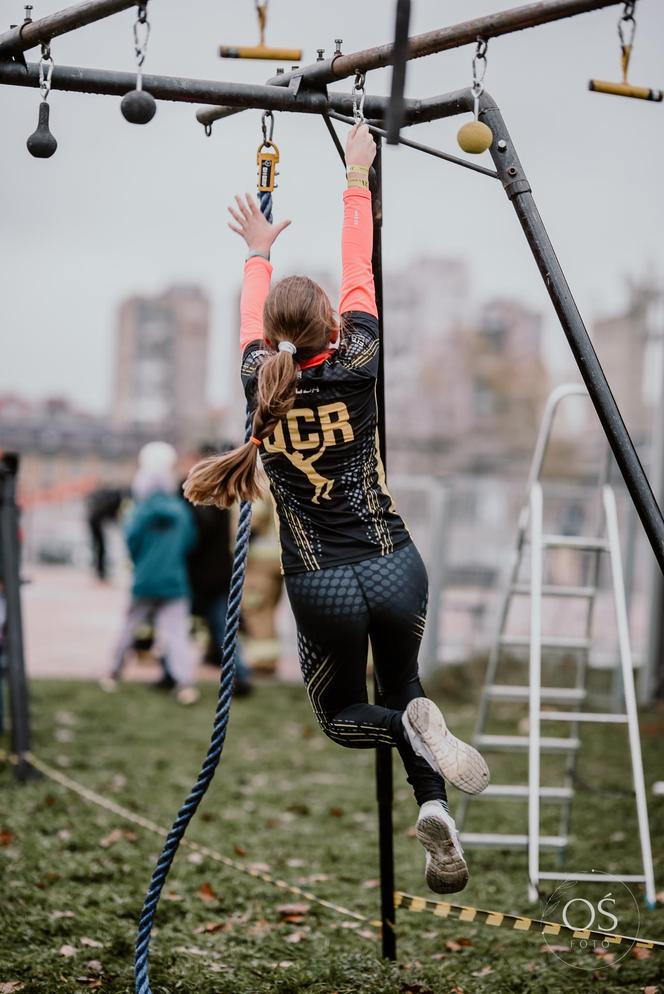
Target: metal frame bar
[(15, 659), (184, 90), (627, 670), (397, 86), (32, 33), (443, 39), (534, 689)]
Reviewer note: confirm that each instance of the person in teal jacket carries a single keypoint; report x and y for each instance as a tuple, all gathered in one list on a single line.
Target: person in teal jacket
[(160, 533)]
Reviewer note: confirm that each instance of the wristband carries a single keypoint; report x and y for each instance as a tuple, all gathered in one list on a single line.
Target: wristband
[(358, 169), (256, 254)]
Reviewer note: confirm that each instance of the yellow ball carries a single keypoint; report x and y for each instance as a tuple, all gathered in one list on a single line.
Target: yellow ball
[(475, 137)]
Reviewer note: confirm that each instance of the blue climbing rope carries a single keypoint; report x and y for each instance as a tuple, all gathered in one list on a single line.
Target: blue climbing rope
[(265, 203), (219, 726)]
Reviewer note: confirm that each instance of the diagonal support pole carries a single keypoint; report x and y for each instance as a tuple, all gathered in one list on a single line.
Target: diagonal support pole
[(32, 33)]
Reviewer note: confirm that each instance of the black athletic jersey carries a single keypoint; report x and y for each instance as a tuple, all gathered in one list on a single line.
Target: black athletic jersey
[(323, 462)]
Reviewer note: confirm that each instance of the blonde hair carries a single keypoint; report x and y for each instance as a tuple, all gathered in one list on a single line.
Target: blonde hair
[(296, 310)]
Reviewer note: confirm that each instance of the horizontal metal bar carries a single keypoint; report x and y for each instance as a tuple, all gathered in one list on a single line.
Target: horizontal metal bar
[(604, 718), (548, 695), (520, 743), (239, 95), (427, 149), (547, 642), (575, 542), (33, 33), (521, 792), (551, 590), (595, 878), (416, 111), (441, 40), (499, 841)]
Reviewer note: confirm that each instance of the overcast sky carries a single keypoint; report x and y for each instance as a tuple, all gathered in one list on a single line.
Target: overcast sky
[(121, 209)]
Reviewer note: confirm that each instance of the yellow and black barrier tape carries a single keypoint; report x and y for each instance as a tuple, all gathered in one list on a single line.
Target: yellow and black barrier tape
[(519, 923), (402, 901)]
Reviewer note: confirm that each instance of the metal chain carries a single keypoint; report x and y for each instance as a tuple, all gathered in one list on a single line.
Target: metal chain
[(141, 38), (358, 97), (45, 70), (479, 72)]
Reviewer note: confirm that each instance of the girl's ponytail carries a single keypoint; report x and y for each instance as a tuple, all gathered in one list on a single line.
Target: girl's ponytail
[(221, 480)]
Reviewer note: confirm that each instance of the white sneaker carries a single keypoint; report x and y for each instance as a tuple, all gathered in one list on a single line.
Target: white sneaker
[(446, 871), (187, 696), (459, 763)]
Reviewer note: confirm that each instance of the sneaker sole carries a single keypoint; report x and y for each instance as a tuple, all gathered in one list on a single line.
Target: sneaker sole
[(446, 871), (459, 763)]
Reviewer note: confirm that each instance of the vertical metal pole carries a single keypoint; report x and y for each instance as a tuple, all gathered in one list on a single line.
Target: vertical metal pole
[(517, 188), (534, 690), (384, 789), (9, 558)]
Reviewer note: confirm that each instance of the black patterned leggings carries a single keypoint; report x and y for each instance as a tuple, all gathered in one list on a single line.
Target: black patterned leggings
[(338, 611)]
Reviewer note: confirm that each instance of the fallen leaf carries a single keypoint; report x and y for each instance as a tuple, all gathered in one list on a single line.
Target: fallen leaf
[(294, 937), (298, 808), (454, 945), (94, 965), (64, 835), (92, 943), (212, 927), (366, 933), (483, 972), (239, 851), (646, 990), (206, 893), (369, 884), (6, 839), (284, 964), (173, 896), (640, 952), (196, 858), (67, 951), (456, 990), (115, 836), (336, 812), (62, 914), (92, 983), (438, 956), (65, 718), (10, 986), (553, 948), (604, 953), (296, 862), (294, 912), (260, 867)]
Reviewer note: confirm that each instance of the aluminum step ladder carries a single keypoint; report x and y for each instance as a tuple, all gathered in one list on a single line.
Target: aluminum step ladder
[(557, 704)]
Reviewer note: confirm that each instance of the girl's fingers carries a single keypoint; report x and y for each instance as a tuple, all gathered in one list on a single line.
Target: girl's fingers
[(234, 214), (252, 205), (242, 207), (238, 231), (278, 228)]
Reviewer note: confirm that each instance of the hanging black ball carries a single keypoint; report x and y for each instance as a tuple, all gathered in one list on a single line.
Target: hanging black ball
[(138, 107), (41, 142)]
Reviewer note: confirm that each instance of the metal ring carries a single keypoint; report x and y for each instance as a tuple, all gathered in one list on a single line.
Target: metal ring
[(267, 116)]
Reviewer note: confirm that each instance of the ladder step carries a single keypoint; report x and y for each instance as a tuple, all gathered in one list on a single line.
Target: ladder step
[(549, 590), (547, 642), (598, 878), (519, 743), (497, 841), (615, 719), (550, 695), (575, 542), (521, 792)]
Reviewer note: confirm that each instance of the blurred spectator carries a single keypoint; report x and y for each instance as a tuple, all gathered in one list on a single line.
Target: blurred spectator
[(210, 563), (160, 532), (103, 507), (262, 590)]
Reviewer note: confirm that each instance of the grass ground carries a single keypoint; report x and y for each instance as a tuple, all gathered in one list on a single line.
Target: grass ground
[(73, 875)]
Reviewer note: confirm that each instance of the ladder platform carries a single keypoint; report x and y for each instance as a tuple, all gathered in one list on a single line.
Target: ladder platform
[(549, 695), (521, 792), (554, 590), (547, 642), (494, 840), (520, 743), (608, 718), (579, 542)]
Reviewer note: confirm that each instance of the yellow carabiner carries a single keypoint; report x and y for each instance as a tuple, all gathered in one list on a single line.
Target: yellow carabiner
[(267, 158)]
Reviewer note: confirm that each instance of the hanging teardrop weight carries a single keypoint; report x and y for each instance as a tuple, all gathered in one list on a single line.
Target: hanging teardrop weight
[(138, 107), (41, 143)]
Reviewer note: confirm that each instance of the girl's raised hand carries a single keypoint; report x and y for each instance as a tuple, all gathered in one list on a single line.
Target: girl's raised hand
[(257, 232), (360, 146)]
